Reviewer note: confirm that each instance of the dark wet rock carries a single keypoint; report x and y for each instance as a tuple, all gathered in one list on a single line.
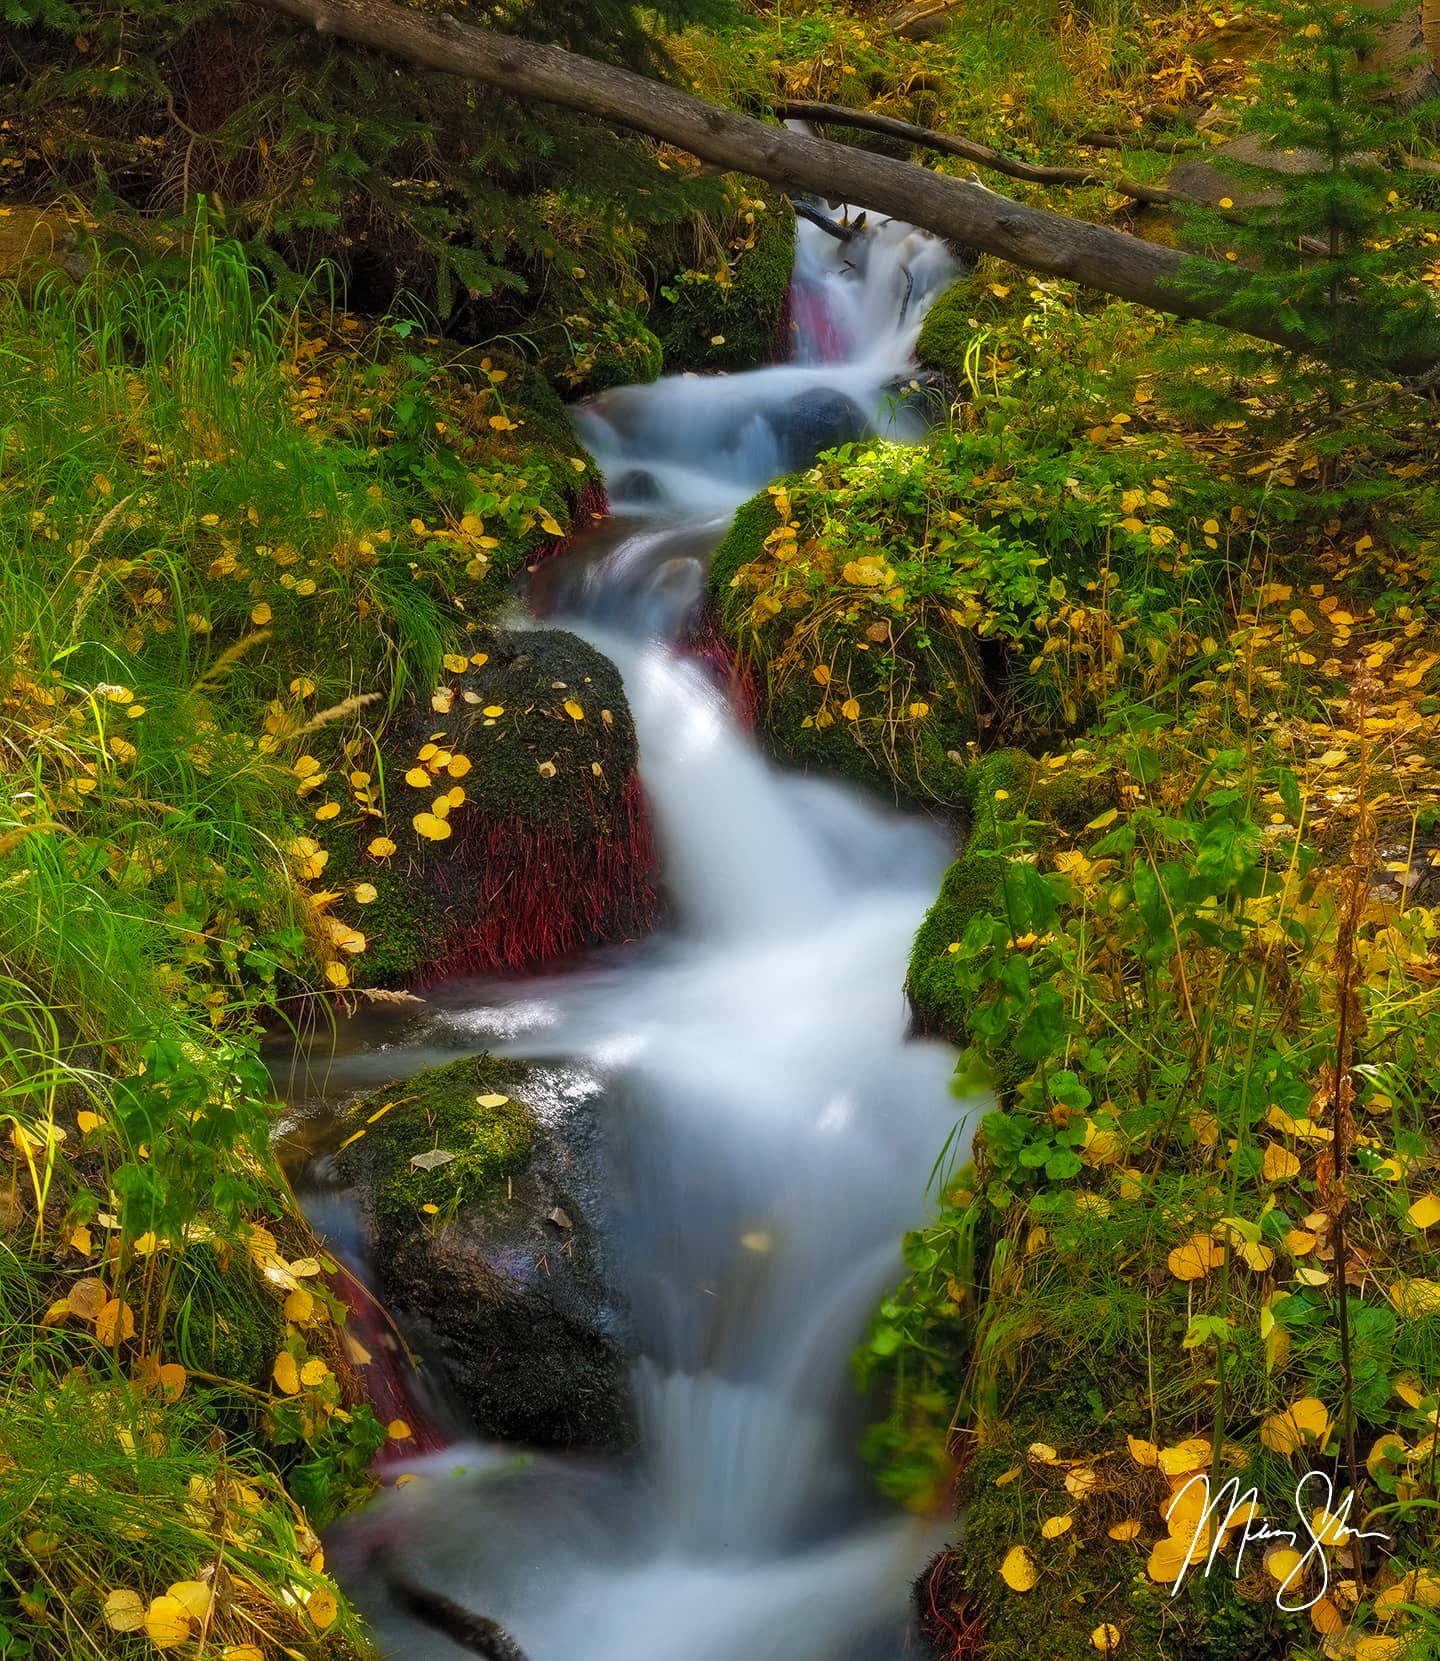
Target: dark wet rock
[(813, 421), (501, 1287), (637, 486)]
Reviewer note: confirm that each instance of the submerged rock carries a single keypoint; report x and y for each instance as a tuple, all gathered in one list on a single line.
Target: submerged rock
[(500, 1286), (813, 421)]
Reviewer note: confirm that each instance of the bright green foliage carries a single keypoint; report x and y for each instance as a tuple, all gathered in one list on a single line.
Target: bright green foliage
[(908, 600), (1334, 245)]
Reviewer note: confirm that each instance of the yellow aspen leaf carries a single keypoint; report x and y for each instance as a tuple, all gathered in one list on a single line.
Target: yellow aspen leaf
[(260, 615), (1196, 1258), (441, 700), (431, 827), (1167, 1558), (1325, 1617), (1080, 1483), (194, 1595), (87, 1121), (455, 663), (850, 709), (337, 974), (491, 1101), (1041, 1453), (381, 847), (1256, 1256), (314, 1372), (167, 1622), (430, 1210), (1409, 1389), (1279, 1164), (1007, 1476), (365, 893), (1425, 1212), (548, 524), (1185, 1457), (493, 710), (1143, 1453), (1126, 1530), (302, 686), (80, 1241), (717, 340), (397, 1430), (124, 1610), (1378, 1647), (327, 810), (1414, 1298), (299, 1306), (1053, 1527), (1018, 1571), (418, 777), (1299, 1241), (115, 1322), (1106, 1638), (56, 1313), (87, 1298), (322, 1607), (458, 766), (573, 710), (304, 1268), (821, 672), (1305, 1420), (286, 1374), (171, 1378), (241, 1652), (440, 807)]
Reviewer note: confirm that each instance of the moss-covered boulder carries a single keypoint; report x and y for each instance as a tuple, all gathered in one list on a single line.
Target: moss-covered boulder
[(502, 824), (732, 317), (846, 685), (483, 1254), (1008, 801)]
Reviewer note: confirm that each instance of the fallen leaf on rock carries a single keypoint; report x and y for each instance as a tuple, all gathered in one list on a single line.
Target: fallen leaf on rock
[(430, 1161), (1018, 1571)]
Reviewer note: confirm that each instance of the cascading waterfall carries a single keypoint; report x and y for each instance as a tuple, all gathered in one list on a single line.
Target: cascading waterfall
[(768, 1125)]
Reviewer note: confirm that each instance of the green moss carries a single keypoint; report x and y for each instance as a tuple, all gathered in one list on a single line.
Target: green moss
[(715, 324), (949, 326), (440, 1109), (618, 349), (971, 886), (905, 756), (221, 1321)]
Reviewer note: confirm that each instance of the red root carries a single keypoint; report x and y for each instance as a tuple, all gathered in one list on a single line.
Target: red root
[(950, 1626), (390, 1382), (551, 888), (706, 643)]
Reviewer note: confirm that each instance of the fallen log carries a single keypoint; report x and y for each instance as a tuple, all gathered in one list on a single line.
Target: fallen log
[(956, 209)]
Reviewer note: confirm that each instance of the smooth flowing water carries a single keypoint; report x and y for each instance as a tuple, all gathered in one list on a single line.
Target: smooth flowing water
[(768, 1127)]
